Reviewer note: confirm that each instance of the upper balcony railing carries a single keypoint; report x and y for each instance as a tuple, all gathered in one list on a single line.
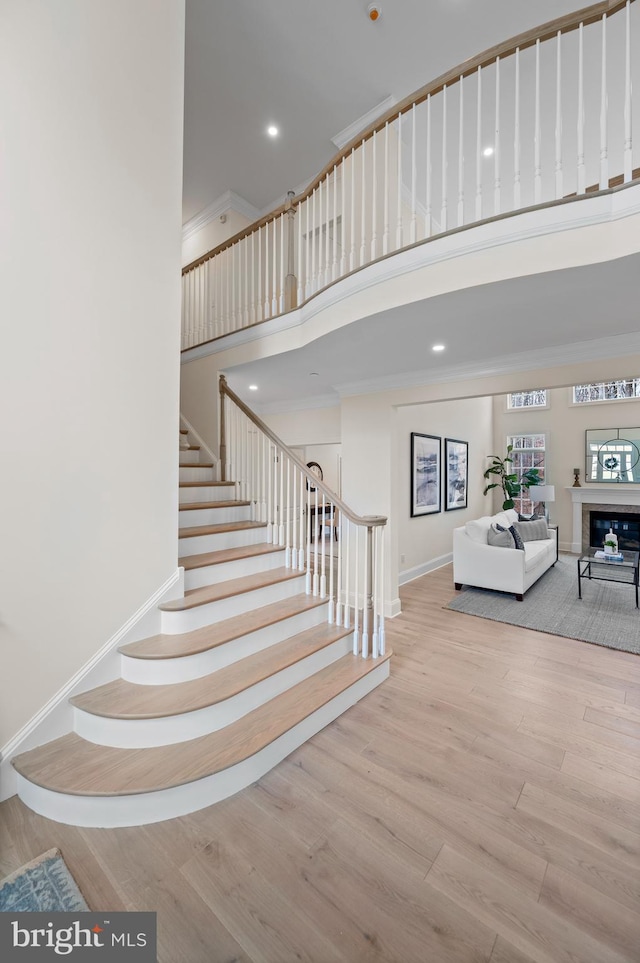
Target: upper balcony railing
[(544, 116)]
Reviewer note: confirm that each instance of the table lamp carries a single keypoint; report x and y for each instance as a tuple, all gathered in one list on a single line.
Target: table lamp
[(540, 496)]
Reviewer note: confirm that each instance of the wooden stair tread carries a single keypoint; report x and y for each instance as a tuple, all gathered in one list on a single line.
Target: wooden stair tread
[(195, 464), (190, 448), (219, 527), (126, 700), (231, 503), (229, 588), (205, 484), (190, 562), (77, 767), (184, 431), (210, 636)]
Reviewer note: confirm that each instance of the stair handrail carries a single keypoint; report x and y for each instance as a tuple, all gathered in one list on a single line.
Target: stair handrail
[(546, 31), (369, 521)]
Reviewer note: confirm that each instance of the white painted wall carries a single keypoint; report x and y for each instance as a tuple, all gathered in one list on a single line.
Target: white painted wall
[(564, 425), (91, 110), (425, 542), (310, 426), (212, 234)]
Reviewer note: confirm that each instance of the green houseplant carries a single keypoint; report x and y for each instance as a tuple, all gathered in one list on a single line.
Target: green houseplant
[(508, 480)]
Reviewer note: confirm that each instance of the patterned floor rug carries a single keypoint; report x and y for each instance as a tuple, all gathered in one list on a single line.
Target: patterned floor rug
[(43, 885), (607, 614)]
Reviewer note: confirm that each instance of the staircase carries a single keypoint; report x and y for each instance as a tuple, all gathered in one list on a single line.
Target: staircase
[(246, 668)]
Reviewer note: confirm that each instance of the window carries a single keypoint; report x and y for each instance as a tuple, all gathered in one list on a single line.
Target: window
[(528, 452), (606, 391), (537, 398)]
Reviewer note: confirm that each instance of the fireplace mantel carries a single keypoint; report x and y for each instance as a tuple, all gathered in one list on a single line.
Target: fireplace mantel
[(590, 495)]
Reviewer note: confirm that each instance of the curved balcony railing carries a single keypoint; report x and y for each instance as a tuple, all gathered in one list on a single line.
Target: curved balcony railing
[(544, 116)]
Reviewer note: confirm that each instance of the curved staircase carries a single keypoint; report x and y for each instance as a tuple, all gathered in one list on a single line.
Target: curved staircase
[(246, 668)]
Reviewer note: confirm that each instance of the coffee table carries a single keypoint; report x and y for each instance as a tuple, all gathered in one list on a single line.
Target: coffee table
[(600, 570)]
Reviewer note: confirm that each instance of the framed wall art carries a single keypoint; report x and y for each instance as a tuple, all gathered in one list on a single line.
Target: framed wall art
[(425, 474), (456, 474)]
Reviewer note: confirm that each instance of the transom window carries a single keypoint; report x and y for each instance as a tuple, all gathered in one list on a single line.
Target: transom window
[(606, 391), (528, 452), (536, 398)]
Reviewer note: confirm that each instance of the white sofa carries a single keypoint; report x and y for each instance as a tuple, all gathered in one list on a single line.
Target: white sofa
[(477, 563)]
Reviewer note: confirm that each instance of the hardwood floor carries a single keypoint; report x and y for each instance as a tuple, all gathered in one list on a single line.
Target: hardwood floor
[(483, 804)]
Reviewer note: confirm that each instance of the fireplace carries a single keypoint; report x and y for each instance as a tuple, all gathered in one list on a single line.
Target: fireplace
[(612, 501), (626, 525)]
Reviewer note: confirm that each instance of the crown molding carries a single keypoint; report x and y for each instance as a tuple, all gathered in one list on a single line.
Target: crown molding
[(229, 201), (344, 136), (617, 346)]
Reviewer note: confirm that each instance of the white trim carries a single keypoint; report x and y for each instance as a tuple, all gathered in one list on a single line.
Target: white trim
[(203, 445), (151, 807), (612, 494), (347, 134), (229, 201), (412, 573), (56, 717)]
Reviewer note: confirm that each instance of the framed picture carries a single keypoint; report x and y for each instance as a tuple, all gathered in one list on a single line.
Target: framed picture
[(425, 474), (456, 474)]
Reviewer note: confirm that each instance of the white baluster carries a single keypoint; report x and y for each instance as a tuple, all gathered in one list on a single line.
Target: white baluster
[(363, 207), (287, 534), (343, 222), (345, 535), (334, 263), (537, 162), (385, 199), (269, 532), (332, 605), (323, 576), (338, 611), (316, 538), (234, 297), (558, 131), (496, 150), (301, 288), (259, 300), (282, 502), (314, 285), (274, 267), (320, 244), (327, 258), (308, 286), (356, 616), (294, 519), (443, 213), (267, 274), (374, 595), (382, 645), (628, 137), (365, 593), (307, 535), (461, 155), (352, 228), (516, 136), (413, 226), (282, 265), (581, 172), (399, 185), (604, 149), (479, 146), (374, 200), (301, 541), (429, 201)]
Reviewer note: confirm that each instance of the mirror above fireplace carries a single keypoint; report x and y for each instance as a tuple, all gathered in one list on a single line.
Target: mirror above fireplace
[(612, 455)]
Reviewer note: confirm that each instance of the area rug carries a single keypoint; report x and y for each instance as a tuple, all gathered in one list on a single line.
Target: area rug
[(44, 885), (607, 614)]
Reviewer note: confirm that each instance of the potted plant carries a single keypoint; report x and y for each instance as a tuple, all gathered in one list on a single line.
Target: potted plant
[(508, 480)]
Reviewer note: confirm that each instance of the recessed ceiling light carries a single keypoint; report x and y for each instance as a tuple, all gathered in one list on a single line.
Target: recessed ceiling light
[(488, 151), (437, 347), (272, 131), (253, 387), (314, 374)]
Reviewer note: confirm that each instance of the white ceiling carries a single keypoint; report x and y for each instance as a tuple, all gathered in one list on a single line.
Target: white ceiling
[(313, 69)]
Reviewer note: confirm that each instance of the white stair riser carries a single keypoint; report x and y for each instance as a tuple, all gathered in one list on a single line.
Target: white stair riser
[(173, 623), (142, 808), (196, 473), (199, 544), (166, 730), (214, 516), (189, 457), (212, 574), (169, 671), (208, 493)]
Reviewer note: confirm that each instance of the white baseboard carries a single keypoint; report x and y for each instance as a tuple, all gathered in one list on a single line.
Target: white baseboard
[(412, 573), (203, 445), (55, 719)]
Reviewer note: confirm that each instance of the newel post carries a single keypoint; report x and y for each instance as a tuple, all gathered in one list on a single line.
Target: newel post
[(290, 282), (223, 436)]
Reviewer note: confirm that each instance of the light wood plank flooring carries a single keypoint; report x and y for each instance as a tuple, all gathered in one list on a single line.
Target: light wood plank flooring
[(483, 804)]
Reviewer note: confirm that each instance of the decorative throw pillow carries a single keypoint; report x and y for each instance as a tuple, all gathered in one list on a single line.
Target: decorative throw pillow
[(532, 530), (503, 537)]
